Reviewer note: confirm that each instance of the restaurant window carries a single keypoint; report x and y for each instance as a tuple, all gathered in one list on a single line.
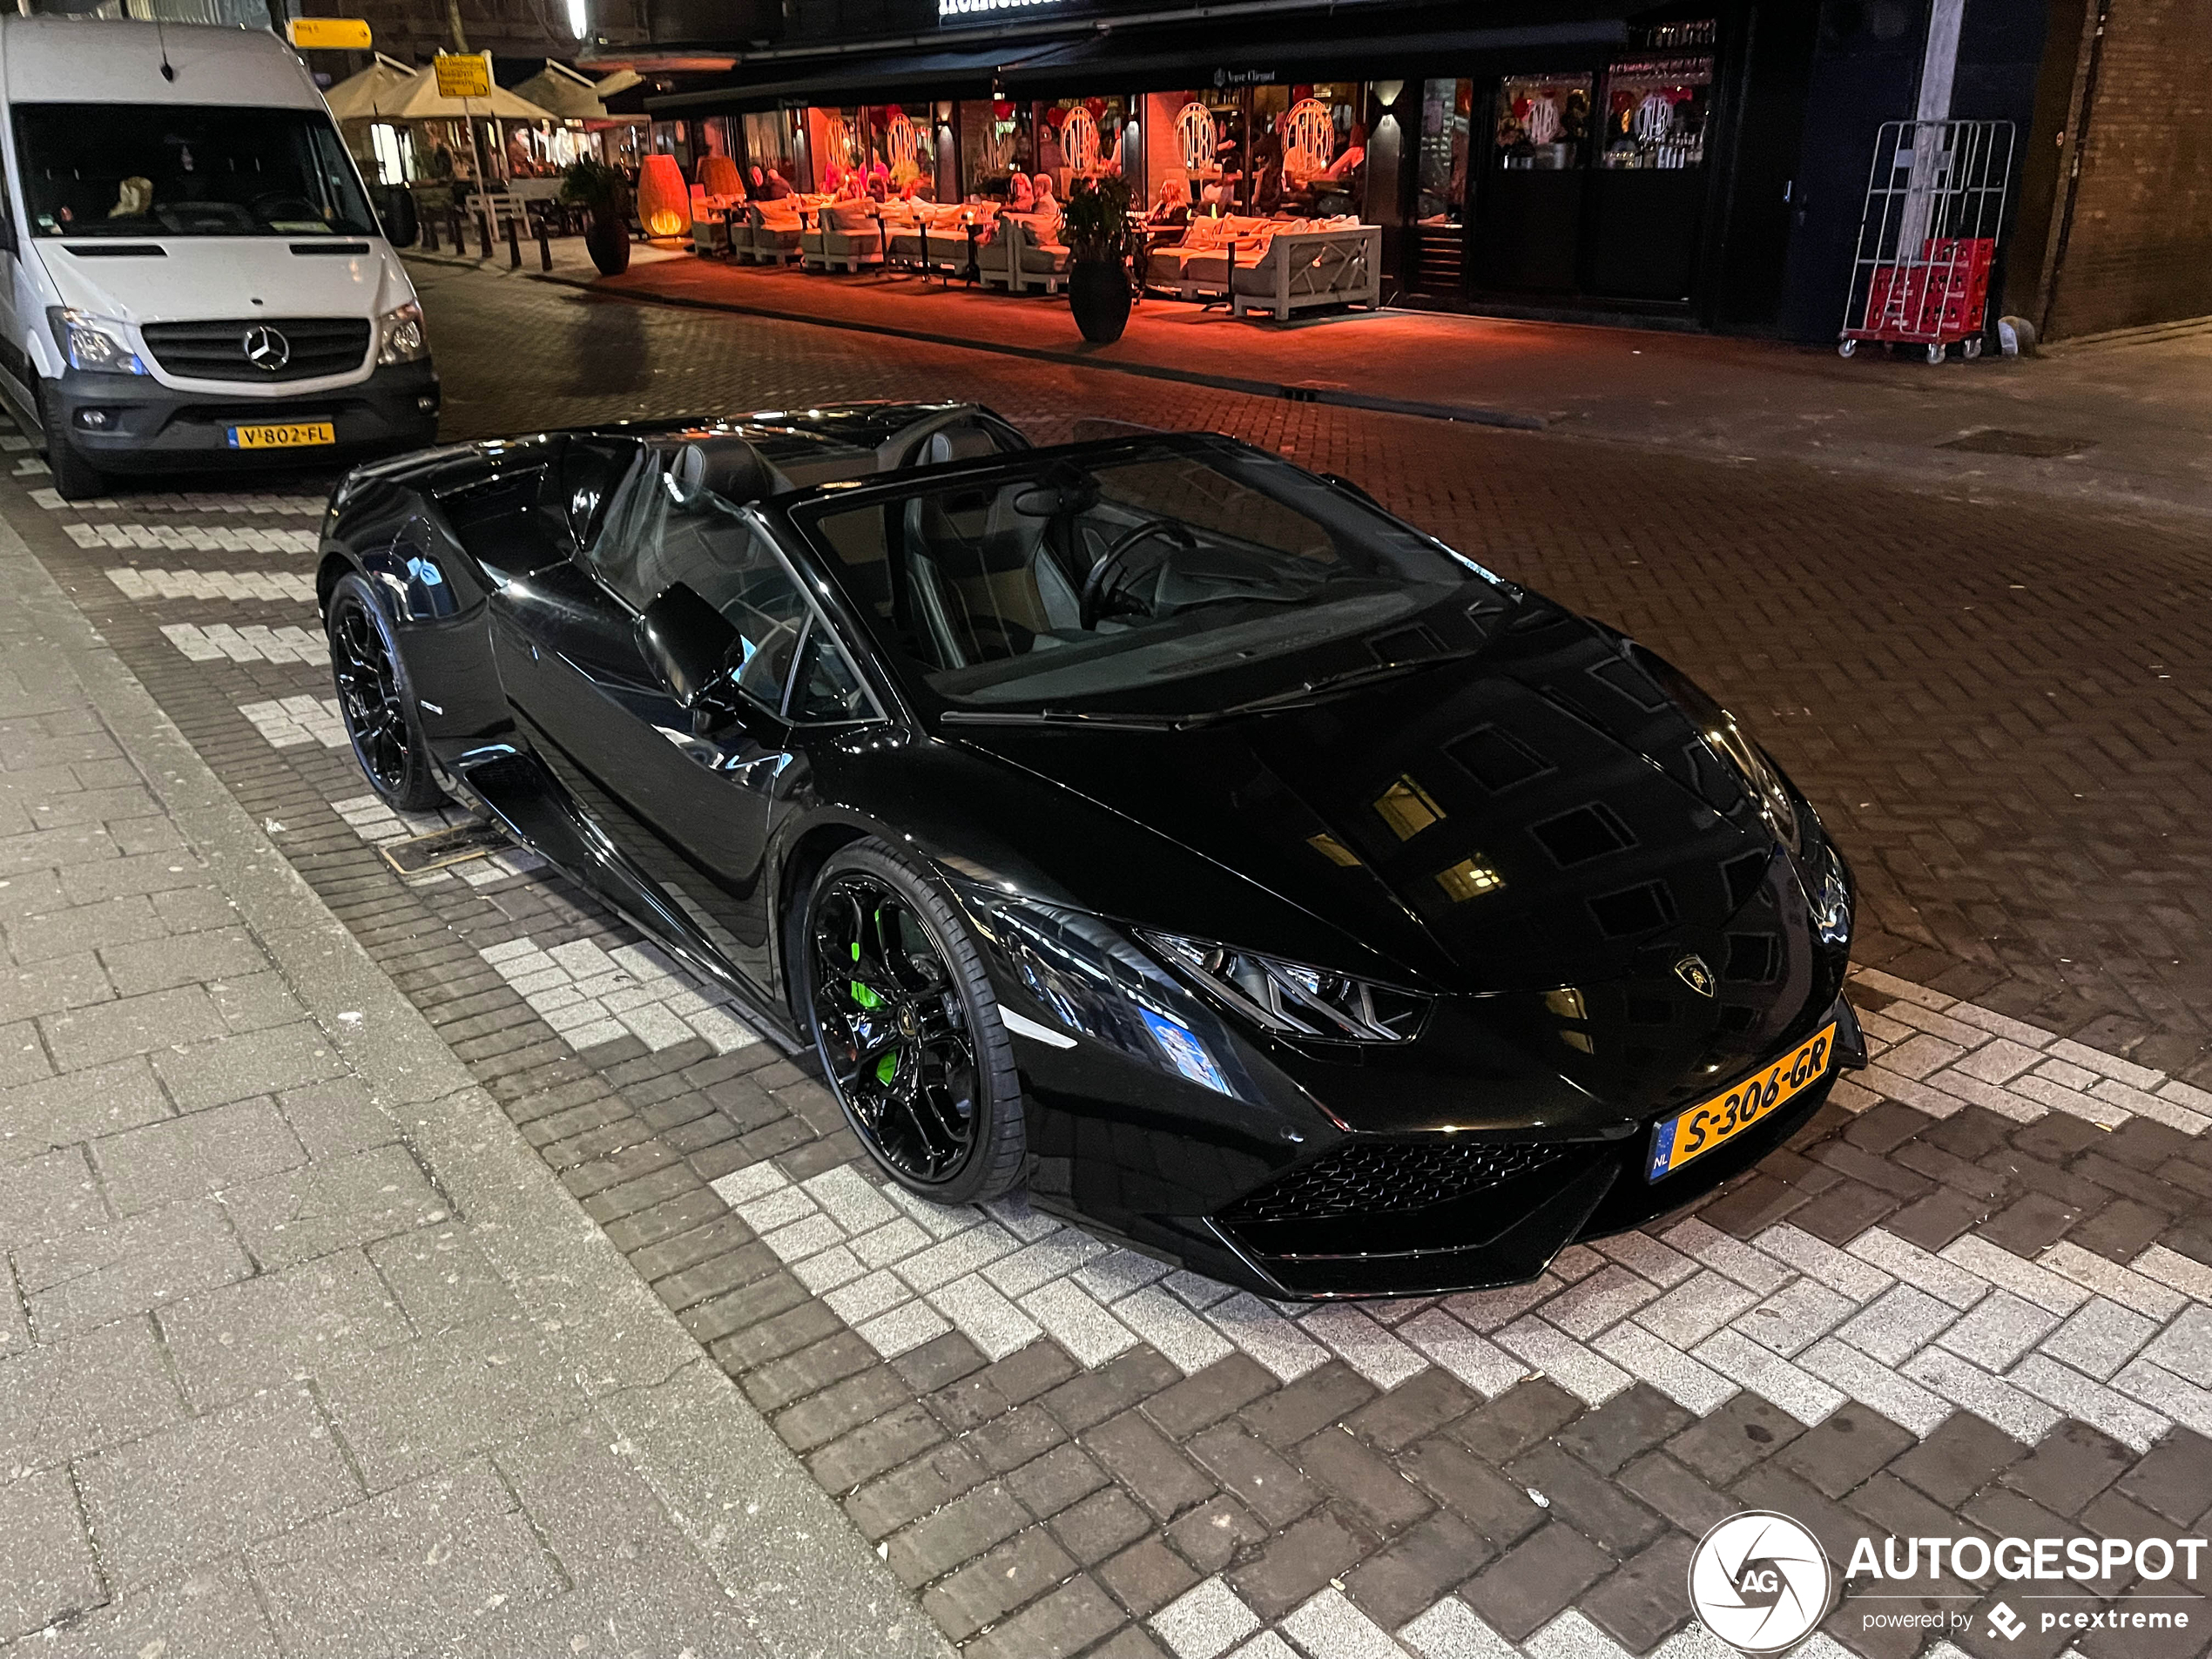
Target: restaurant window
[(767, 144), (994, 142), (1309, 149), (1544, 122), (1655, 111), (1079, 138)]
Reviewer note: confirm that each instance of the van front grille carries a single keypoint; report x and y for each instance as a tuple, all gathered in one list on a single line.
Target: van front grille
[(256, 349)]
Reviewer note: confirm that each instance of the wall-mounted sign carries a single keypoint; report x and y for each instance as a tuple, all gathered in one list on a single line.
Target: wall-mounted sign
[(464, 75), (1244, 77), (330, 34), (966, 8)]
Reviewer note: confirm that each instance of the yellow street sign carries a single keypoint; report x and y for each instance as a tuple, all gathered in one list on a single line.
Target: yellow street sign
[(330, 34), (461, 76)]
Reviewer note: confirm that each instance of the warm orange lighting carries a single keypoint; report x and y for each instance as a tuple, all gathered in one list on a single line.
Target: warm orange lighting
[(663, 200)]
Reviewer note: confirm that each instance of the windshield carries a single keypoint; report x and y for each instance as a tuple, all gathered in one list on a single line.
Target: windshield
[(1159, 563), (173, 170)]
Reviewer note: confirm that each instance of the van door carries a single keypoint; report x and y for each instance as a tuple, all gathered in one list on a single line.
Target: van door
[(19, 306)]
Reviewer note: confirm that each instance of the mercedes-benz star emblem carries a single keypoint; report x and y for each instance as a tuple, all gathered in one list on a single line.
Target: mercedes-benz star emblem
[(1692, 972), (266, 348), (1760, 1582)]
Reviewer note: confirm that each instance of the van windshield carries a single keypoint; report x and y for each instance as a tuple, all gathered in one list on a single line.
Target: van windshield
[(185, 170)]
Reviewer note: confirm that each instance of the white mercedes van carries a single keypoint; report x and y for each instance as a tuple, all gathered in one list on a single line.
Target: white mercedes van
[(190, 273)]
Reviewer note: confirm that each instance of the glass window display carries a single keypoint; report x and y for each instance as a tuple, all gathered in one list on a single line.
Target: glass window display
[(1655, 111), (1543, 121)]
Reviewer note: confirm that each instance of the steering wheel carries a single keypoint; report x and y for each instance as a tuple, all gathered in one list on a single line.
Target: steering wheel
[(276, 205), (1106, 574)]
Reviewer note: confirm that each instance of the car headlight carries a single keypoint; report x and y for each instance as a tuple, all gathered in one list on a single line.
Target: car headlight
[(400, 337), (1831, 900), (1292, 999), (96, 345)]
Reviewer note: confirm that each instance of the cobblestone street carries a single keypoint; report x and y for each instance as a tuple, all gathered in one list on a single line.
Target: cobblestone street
[(331, 1255)]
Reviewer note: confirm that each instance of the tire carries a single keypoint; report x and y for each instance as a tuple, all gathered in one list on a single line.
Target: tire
[(376, 699), (75, 478), (907, 1029), (1847, 349), (1935, 352)]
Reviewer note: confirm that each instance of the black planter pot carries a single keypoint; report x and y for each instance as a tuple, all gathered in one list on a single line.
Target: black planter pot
[(607, 241), (1098, 294)]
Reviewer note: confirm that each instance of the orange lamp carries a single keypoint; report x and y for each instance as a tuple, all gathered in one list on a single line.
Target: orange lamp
[(663, 200), (718, 177)]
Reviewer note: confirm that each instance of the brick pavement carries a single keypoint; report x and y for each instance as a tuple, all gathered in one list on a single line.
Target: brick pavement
[(301, 1350), (1878, 1328)]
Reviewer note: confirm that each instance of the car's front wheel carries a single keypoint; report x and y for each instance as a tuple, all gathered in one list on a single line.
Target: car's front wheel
[(908, 1029), (75, 478), (376, 700)]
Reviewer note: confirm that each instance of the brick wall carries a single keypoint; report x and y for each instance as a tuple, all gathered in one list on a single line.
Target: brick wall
[(2139, 248)]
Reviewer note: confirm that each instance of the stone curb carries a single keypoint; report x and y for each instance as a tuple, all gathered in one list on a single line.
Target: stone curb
[(784, 1553)]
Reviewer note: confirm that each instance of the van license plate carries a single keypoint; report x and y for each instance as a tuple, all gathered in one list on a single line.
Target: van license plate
[(283, 434)]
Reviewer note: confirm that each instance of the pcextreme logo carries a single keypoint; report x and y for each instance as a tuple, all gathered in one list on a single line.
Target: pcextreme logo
[(1760, 1583)]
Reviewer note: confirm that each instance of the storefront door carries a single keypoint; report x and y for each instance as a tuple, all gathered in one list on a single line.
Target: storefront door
[(1528, 205)]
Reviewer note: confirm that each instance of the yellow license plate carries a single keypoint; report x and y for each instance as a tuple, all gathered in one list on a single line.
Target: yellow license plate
[(1676, 1140), (283, 434)]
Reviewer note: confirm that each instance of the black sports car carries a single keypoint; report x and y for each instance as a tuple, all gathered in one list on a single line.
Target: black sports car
[(1148, 821)]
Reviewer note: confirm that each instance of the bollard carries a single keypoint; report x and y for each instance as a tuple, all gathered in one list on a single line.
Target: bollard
[(429, 233), (544, 246), (483, 230), (453, 229), (514, 247)]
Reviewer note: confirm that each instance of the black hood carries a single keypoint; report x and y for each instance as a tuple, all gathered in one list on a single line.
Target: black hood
[(1539, 829), (1542, 815)]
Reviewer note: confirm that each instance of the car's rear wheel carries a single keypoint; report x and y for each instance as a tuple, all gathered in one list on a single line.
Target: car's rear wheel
[(376, 700), (908, 1030)]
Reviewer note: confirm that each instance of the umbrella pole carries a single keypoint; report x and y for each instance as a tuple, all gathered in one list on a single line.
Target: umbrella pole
[(483, 178)]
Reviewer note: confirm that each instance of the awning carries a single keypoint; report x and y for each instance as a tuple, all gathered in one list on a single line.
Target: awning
[(1347, 42), (1110, 62), (860, 78)]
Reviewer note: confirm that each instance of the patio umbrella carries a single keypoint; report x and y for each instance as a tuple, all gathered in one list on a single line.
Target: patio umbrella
[(355, 98), (561, 90), (418, 98)]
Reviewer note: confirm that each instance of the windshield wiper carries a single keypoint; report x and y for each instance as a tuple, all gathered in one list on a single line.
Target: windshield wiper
[(1114, 722), (1315, 691), (1299, 695)]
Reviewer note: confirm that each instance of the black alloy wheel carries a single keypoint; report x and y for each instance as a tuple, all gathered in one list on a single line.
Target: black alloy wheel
[(908, 1030), (376, 700)]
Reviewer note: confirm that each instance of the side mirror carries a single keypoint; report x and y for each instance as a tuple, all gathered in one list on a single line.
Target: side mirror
[(395, 212), (687, 643)]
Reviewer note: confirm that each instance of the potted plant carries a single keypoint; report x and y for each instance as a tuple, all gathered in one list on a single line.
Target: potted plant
[(601, 192), (1101, 242)]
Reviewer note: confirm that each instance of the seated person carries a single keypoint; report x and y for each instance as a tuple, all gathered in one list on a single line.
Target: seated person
[(1341, 171), (1047, 205), (919, 188), (1172, 211), (1019, 199)]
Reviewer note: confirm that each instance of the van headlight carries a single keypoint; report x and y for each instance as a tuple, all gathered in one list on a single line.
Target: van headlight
[(95, 345), (398, 335)]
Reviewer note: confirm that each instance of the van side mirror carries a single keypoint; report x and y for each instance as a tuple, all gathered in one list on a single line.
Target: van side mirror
[(687, 643), (396, 214)]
